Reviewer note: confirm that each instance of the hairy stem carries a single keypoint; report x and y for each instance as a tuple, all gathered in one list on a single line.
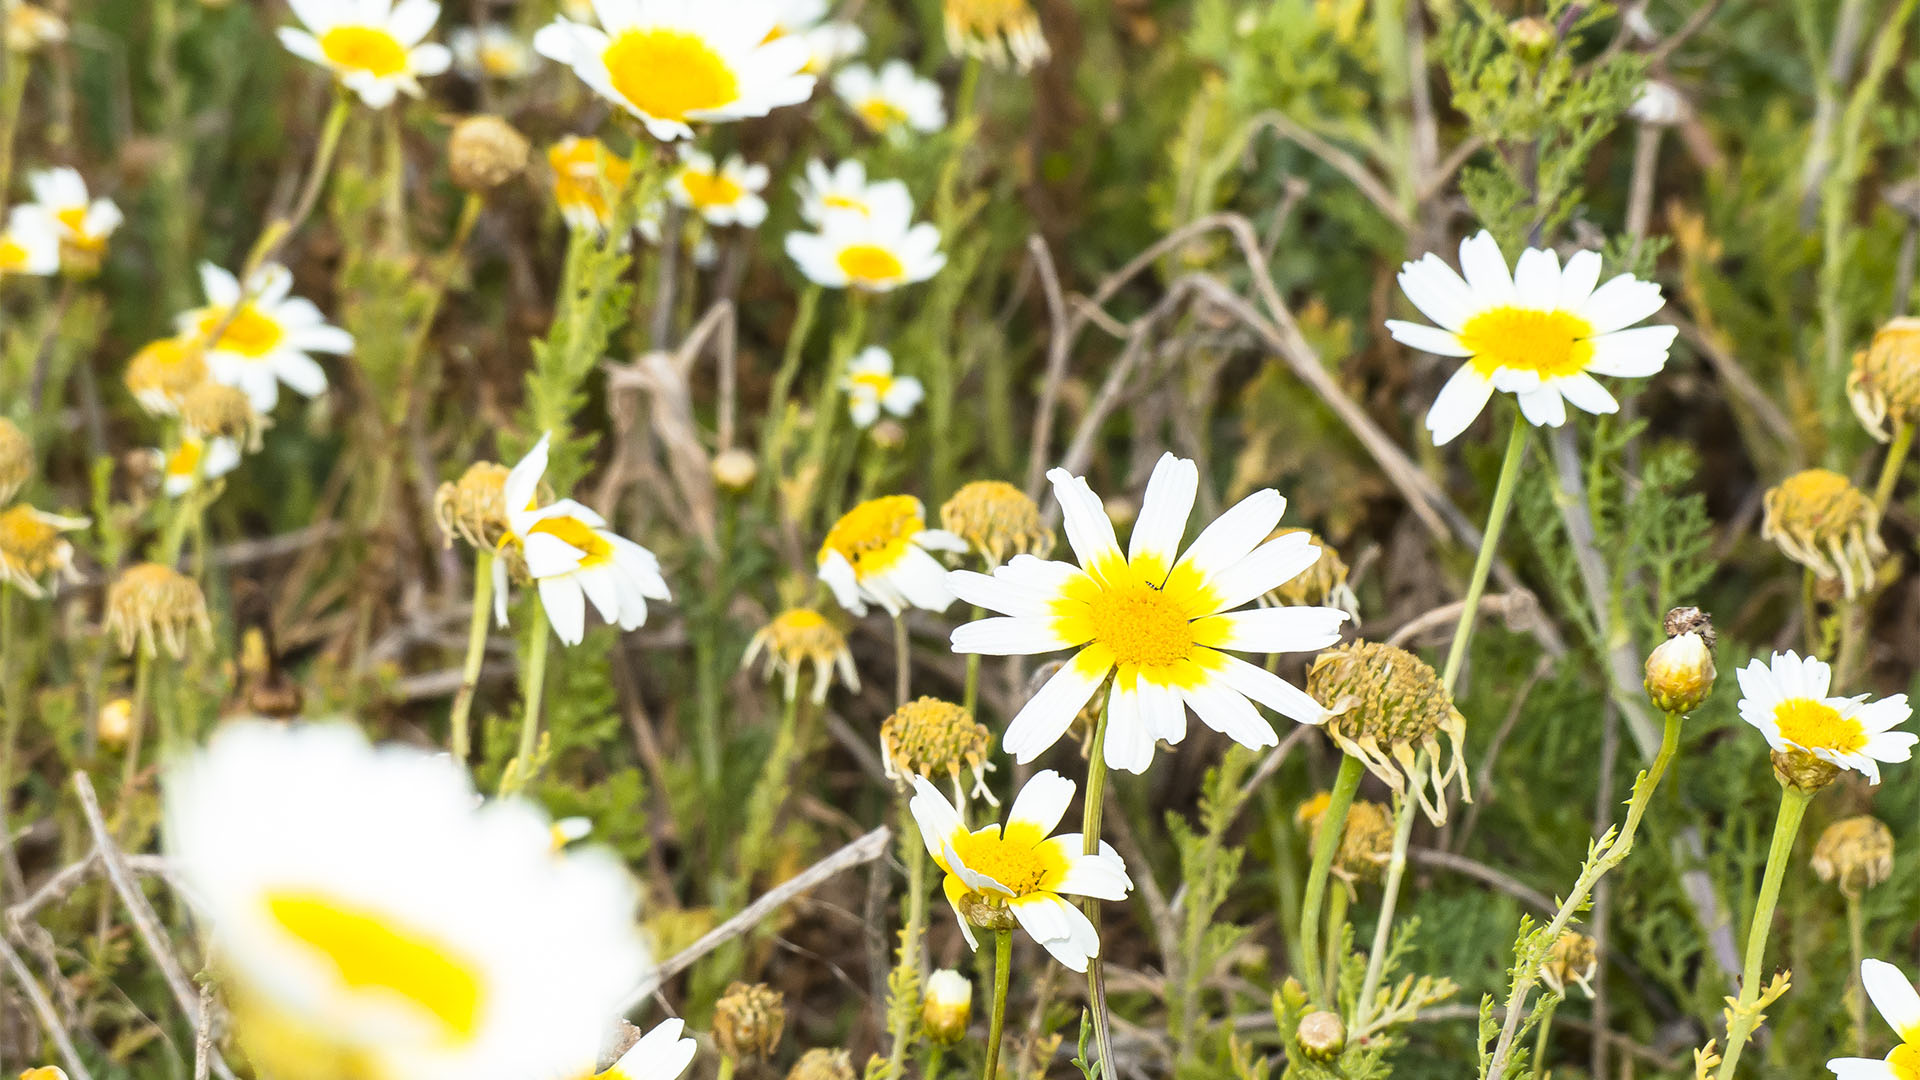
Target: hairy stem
[(533, 690), (1002, 963), (913, 851)]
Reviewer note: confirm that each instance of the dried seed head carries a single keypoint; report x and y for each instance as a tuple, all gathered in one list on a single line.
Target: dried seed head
[(1324, 584), (1574, 959), (1001, 32), (1680, 670), (1802, 771), (485, 152), (216, 410), (1690, 620), (161, 374), (475, 506), (748, 1020), (928, 737), (735, 471), (947, 1008), (1885, 382), (1824, 523), (115, 723), (1322, 1036), (821, 1063), (998, 521), (796, 638), (32, 546), (1855, 852), (16, 459), (1385, 705), (1366, 843), (153, 605)]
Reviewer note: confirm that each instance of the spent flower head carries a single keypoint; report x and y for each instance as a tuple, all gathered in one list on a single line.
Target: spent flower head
[(1324, 584), (151, 606), (1856, 853), (796, 639), (1573, 960), (217, 411), (1824, 523), (34, 548), (1366, 841), (997, 521), (163, 372), (822, 1063), (1387, 707), (1884, 385), (748, 1020), (929, 737), (1005, 33), (16, 459), (485, 152), (474, 507)]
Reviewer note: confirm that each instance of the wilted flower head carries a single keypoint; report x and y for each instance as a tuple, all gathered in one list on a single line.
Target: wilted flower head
[(1386, 705), (1324, 584), (32, 547), (151, 606), (161, 374), (484, 152), (1824, 523), (587, 180), (16, 459), (748, 1020), (217, 411), (1855, 852), (798, 637), (1574, 960), (1366, 842), (821, 1063), (1001, 32), (929, 737), (947, 1007), (1680, 671), (997, 521), (1884, 385), (375, 48), (474, 507), (880, 551)]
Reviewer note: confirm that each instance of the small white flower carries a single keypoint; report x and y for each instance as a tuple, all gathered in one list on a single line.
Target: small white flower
[(1541, 333), (723, 193), (881, 551), (1899, 1003), (893, 99), (31, 243), (877, 251), (268, 341), (675, 63), (844, 187), (374, 47), (85, 224), (573, 558), (872, 386), (490, 52), (1787, 700), (196, 461)]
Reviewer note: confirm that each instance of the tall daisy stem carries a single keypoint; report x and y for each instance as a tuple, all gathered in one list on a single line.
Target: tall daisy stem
[(1857, 993), (1786, 828), (1090, 845), (1326, 842), (902, 661), (913, 851), (534, 690), (1489, 545), (1002, 973), (1389, 901), (970, 698), (476, 652), (1896, 460)]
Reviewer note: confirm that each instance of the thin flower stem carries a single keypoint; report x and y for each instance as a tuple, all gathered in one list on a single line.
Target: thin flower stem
[(803, 316), (476, 651), (1810, 611), (1326, 842), (13, 90), (725, 1071), (935, 1058), (1856, 993), (1489, 545), (827, 413), (1090, 845), (902, 661), (535, 688), (15, 715), (136, 729), (913, 851), (1542, 1037), (970, 698), (1389, 900), (1786, 828), (1337, 900), (1002, 965), (1896, 460)]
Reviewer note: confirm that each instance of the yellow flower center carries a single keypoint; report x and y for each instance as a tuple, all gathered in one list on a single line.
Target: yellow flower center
[(1141, 625), (875, 381), (250, 334), (1815, 725), (369, 953), (1019, 866), (1905, 1060), (667, 74), (1553, 343), (364, 48), (871, 263), (13, 256), (873, 535), (186, 460), (579, 534), (499, 60), (707, 190), (844, 202), (880, 114), (27, 539), (74, 220)]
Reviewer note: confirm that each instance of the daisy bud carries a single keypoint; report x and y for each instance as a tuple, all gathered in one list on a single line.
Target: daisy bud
[(1324, 584), (1680, 670), (16, 459), (1802, 771), (1885, 382), (821, 1063), (735, 471), (1532, 36), (1385, 704), (475, 506), (1573, 959), (161, 374), (484, 152), (930, 736), (947, 1008), (1001, 32), (1365, 844), (1824, 523), (997, 521), (115, 722), (216, 411), (1856, 852), (153, 605), (748, 1020), (799, 637), (1322, 1036)]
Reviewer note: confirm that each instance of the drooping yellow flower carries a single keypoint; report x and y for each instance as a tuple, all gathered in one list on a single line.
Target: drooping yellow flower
[(1824, 523), (1000, 32), (801, 637), (33, 547), (587, 180), (880, 551)]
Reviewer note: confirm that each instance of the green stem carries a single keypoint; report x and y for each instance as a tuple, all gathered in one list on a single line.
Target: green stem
[(776, 416), (1389, 900), (1786, 828), (913, 851), (1542, 1037), (1002, 964), (1896, 460), (764, 805), (970, 698), (1856, 993), (1489, 544), (13, 90), (1326, 843), (1810, 611), (725, 1072), (534, 690), (935, 1058), (826, 417), (1090, 844), (1336, 934), (9, 701), (476, 651), (136, 728), (902, 661)]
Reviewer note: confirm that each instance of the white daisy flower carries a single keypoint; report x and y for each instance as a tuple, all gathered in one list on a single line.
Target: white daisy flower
[(573, 558), (268, 341), (1156, 618), (569, 830), (830, 43), (587, 181), (31, 243), (366, 911), (881, 551), (675, 63), (196, 460), (825, 191), (1021, 867), (722, 193), (877, 251), (84, 224), (1787, 700), (1899, 1003), (492, 51), (872, 386), (661, 1054), (374, 47), (892, 99), (1541, 332)]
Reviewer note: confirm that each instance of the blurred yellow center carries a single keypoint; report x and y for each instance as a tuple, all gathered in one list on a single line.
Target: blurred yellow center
[(880, 114), (369, 953), (186, 460), (1141, 625), (843, 202), (26, 538), (250, 334), (879, 383), (1905, 1061), (12, 255), (579, 534), (364, 48), (668, 74), (74, 220), (499, 60), (1816, 725), (870, 263), (1553, 343), (874, 535), (710, 189), (1021, 867)]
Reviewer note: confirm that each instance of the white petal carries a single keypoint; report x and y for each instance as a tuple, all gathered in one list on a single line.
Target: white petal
[(1893, 994), (1577, 280), (1620, 303), (299, 371), (1103, 876), (1235, 533), (1266, 568), (1041, 803), (1089, 531), (1014, 636), (1632, 354), (1263, 686), (1862, 1069), (1224, 710), (1045, 717), (937, 818), (1459, 404), (1544, 407), (1485, 269), (1430, 339), (565, 607), (1003, 593), (1273, 630), (1438, 292), (1586, 394), (1536, 279), (1164, 510)]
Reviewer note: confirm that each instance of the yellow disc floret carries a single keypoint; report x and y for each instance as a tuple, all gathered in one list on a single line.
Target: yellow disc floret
[(668, 74), (875, 534), (1816, 725), (1552, 343)]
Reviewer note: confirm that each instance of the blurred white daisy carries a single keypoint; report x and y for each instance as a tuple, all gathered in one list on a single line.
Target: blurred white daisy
[(675, 63), (492, 51), (195, 461), (872, 387), (892, 99), (824, 191), (1156, 618), (1021, 868), (1541, 332), (724, 193), (1787, 700), (265, 342), (573, 558), (881, 551), (31, 243), (84, 223), (877, 251), (587, 181), (1899, 1004), (830, 43), (371, 919), (374, 47)]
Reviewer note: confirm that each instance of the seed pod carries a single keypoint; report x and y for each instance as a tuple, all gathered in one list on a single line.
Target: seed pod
[(1385, 705), (821, 1063), (1856, 853), (485, 152)]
